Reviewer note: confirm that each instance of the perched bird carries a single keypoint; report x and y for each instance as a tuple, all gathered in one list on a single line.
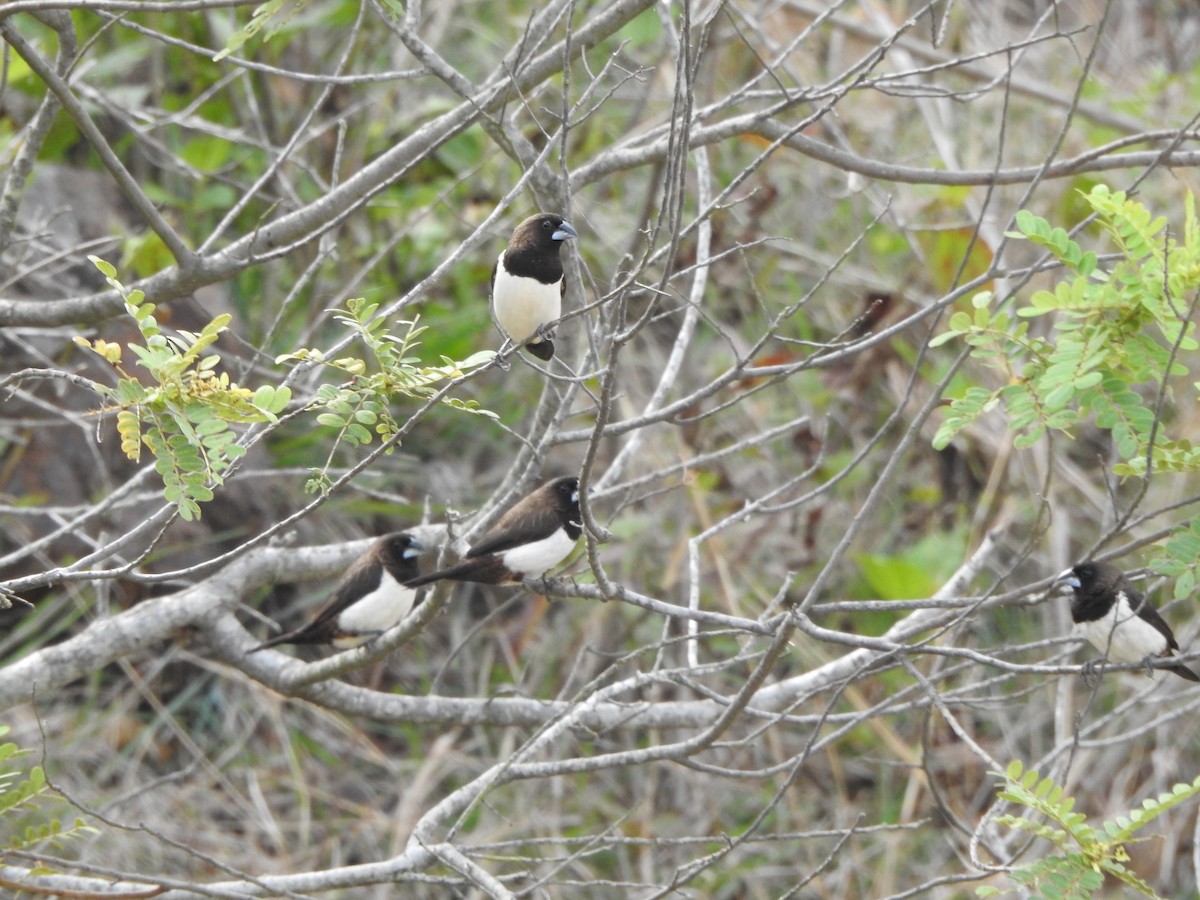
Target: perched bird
[(1117, 619), (370, 598), (527, 282), (532, 537)]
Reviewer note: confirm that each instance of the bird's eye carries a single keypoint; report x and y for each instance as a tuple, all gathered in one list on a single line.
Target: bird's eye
[(547, 224)]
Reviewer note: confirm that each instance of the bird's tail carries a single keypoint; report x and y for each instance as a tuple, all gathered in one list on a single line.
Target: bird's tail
[(486, 569), (273, 642), (1183, 671), (453, 573), (543, 349), (306, 635)]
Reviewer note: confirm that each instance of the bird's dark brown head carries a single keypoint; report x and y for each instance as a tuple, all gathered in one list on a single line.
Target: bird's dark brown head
[(544, 231), (399, 552), (1093, 576), (565, 492), (1095, 586)]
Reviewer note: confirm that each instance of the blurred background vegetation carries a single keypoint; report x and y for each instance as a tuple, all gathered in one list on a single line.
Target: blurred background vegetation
[(796, 188)]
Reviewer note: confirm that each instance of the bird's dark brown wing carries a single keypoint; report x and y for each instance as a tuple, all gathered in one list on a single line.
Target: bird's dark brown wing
[(360, 580), (515, 530), (1150, 615), (364, 576)]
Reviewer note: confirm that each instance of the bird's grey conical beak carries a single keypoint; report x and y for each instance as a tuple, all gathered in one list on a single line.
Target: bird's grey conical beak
[(563, 232), (1069, 578), (415, 548)]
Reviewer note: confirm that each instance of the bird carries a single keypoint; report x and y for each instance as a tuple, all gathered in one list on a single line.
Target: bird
[(531, 538), (1117, 619), (527, 282), (370, 598)]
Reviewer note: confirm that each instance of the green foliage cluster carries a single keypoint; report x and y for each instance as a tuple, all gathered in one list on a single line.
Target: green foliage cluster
[(1087, 854), (1117, 334), (281, 11), (23, 793), (185, 412), (358, 406), (1179, 559), (183, 415)]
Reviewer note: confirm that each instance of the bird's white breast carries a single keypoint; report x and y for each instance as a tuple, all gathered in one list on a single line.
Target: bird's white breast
[(375, 612), (1122, 635), (535, 558), (522, 305)]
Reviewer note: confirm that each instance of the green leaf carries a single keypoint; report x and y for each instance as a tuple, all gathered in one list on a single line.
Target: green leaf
[(106, 269), (263, 15), (357, 434), (944, 338), (211, 426), (199, 492), (273, 399), (1030, 224)]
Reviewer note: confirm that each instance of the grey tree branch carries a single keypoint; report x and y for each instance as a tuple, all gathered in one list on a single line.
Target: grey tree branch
[(305, 224)]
